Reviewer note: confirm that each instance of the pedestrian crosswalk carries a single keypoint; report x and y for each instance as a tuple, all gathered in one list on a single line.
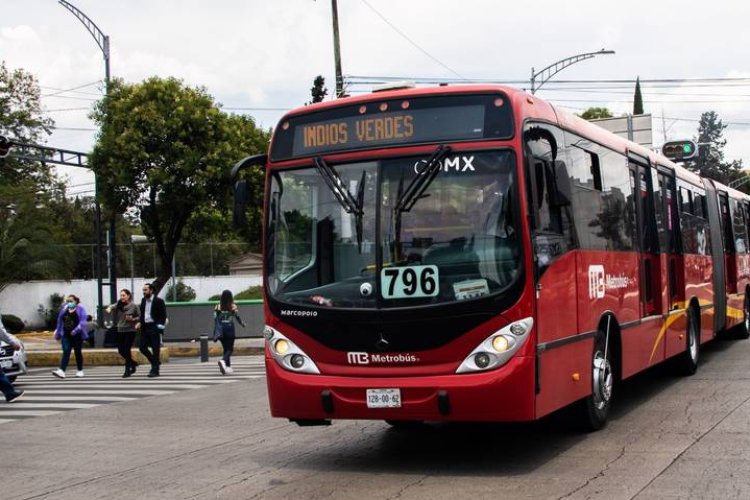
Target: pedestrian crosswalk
[(47, 395)]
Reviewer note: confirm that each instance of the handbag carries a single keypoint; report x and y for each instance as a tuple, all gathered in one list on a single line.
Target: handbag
[(218, 330)]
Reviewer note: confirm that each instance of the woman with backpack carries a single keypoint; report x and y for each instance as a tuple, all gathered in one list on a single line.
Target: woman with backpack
[(225, 314)]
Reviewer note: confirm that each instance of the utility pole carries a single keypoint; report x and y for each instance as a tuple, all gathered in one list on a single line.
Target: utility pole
[(337, 50)]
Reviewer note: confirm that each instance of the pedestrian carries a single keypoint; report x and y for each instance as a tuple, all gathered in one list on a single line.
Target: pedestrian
[(152, 320), (11, 395), (125, 314), (225, 313), (71, 332), (91, 329)]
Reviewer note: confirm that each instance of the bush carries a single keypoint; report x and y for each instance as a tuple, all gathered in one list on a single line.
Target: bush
[(50, 315), (254, 292), (13, 324), (185, 293)]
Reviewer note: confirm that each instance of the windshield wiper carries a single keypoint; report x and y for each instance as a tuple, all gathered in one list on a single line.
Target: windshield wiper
[(347, 201), (415, 191), (421, 181)]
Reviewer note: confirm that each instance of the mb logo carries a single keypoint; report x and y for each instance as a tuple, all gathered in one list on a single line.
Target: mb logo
[(358, 358), (596, 282)]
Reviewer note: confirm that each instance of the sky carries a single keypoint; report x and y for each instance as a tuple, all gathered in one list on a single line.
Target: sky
[(259, 57)]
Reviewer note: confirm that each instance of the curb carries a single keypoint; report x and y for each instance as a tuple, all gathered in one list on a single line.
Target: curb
[(91, 357), (110, 357)]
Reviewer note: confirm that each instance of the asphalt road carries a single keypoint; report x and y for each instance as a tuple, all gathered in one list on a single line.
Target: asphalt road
[(669, 438)]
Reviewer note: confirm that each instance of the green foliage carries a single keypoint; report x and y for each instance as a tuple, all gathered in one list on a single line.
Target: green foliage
[(710, 162), (318, 91), (637, 98), (185, 293), (167, 149), (12, 323), (21, 118), (27, 229), (252, 293), (594, 113), (49, 315)]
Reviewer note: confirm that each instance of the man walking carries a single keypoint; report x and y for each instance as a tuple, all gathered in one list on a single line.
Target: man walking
[(11, 395), (151, 324)]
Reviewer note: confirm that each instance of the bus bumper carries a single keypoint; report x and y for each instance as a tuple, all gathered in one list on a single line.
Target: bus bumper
[(502, 395)]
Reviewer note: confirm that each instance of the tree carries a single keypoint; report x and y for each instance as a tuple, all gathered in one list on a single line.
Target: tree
[(318, 90), (638, 98), (28, 230), (710, 162), (21, 118), (594, 113), (167, 149)]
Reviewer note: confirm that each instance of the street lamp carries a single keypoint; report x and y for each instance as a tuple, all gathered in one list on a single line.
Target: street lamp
[(102, 41), (554, 68)]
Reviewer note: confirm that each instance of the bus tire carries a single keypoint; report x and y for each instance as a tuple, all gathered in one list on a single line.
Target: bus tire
[(743, 329), (595, 408), (687, 362)]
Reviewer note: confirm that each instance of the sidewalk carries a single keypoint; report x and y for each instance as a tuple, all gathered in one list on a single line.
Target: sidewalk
[(43, 350)]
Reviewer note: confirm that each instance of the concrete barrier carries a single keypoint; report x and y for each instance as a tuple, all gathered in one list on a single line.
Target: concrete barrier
[(190, 320)]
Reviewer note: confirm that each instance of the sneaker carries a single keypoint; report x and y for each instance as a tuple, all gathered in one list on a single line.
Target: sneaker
[(16, 397), (127, 373), (152, 374), (230, 369), (79, 374), (222, 367), (133, 367), (58, 373)]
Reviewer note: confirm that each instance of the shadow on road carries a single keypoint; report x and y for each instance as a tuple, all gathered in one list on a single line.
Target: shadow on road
[(469, 449)]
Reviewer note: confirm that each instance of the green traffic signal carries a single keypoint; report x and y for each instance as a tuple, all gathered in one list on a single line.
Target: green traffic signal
[(680, 150)]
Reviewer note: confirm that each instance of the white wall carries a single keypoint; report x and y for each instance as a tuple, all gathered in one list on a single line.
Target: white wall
[(23, 299)]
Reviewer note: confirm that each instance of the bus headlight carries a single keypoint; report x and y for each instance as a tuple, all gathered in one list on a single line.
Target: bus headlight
[(287, 354), (498, 348)]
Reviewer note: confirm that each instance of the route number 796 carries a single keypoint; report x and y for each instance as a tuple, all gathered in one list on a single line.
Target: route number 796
[(409, 282)]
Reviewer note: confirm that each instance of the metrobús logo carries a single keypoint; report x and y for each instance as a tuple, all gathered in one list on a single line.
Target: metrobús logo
[(365, 358), (600, 281), (299, 313)]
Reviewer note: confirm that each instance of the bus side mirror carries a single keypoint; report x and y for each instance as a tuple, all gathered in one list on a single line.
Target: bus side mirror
[(563, 194), (239, 216), (241, 189)]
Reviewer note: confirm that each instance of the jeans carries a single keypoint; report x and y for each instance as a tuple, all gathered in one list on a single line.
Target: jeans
[(6, 386), (72, 342), (124, 345), (227, 342), (150, 338)]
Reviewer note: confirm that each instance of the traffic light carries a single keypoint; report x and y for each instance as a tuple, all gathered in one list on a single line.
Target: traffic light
[(5, 145), (680, 150)]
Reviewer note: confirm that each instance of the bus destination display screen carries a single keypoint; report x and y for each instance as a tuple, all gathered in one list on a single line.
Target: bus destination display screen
[(394, 122)]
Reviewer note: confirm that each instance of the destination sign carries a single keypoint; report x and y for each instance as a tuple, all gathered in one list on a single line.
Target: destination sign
[(393, 123)]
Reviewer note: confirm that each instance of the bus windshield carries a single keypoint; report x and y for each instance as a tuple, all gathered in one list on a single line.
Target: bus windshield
[(346, 236)]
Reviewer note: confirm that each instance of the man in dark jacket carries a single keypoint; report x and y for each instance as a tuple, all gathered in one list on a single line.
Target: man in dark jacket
[(151, 324)]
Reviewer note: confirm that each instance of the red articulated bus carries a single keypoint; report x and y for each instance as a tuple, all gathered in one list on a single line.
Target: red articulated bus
[(473, 253)]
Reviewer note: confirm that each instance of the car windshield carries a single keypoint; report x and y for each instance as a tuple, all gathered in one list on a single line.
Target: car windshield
[(351, 235)]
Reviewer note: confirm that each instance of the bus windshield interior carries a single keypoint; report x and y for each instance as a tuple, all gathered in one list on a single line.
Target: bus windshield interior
[(351, 236)]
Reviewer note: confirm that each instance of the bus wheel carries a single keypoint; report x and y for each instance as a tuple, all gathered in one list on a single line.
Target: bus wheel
[(596, 406), (687, 362), (743, 330)]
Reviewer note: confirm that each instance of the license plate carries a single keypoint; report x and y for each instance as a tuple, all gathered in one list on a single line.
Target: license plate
[(384, 398), (6, 363)]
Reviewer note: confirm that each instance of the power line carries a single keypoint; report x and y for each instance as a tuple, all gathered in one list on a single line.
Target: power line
[(412, 42)]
